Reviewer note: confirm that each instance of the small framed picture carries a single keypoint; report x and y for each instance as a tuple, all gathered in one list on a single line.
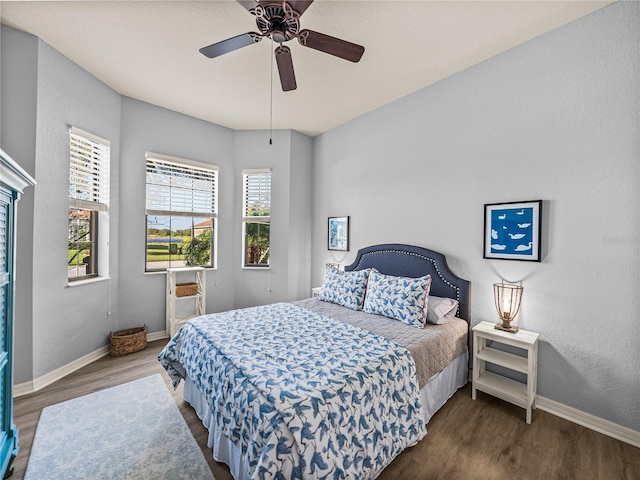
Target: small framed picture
[(338, 233), (512, 230)]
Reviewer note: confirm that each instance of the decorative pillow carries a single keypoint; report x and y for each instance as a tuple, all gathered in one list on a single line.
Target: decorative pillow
[(402, 298), (344, 288), (441, 309)]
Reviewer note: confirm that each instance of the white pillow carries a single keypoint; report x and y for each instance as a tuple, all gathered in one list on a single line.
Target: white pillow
[(440, 309)]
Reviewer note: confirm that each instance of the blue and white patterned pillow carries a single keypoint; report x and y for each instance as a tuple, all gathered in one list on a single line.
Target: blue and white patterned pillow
[(401, 298), (344, 288)]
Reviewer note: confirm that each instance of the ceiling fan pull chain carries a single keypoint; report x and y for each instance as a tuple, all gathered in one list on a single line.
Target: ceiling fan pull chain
[(272, 55)]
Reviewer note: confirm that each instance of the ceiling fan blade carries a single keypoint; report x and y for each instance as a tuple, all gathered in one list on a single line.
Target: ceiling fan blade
[(285, 68), (331, 45), (299, 6), (230, 44)]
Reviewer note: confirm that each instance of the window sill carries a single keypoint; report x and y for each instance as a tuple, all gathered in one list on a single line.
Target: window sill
[(77, 283), (164, 272), (256, 268)]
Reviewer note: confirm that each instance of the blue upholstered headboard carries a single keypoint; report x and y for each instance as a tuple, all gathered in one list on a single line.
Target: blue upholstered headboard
[(411, 261)]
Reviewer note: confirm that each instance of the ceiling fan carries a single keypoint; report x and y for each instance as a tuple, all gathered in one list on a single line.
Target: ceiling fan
[(280, 21)]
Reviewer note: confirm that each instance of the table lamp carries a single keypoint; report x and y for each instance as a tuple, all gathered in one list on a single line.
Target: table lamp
[(507, 298)]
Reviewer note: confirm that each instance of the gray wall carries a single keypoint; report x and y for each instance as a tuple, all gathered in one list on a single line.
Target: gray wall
[(43, 92), (18, 71), (289, 157), (145, 128), (68, 95), (554, 119), (299, 234), (149, 128)]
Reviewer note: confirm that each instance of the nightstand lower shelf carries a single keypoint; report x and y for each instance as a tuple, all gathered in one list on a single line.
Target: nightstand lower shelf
[(504, 388)]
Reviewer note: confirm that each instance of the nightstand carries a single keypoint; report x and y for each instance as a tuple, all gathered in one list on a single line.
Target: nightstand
[(521, 394), (315, 291)]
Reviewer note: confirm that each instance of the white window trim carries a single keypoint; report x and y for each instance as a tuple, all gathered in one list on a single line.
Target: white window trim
[(87, 281), (101, 207), (184, 161), (89, 136), (212, 215), (253, 219)]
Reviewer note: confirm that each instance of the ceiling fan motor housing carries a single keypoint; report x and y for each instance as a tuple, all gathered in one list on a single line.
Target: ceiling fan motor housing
[(273, 21)]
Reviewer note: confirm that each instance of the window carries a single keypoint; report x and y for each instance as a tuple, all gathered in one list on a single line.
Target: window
[(256, 217), (181, 213), (88, 205)]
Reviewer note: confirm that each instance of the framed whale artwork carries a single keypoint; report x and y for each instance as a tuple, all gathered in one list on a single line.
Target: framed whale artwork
[(512, 230)]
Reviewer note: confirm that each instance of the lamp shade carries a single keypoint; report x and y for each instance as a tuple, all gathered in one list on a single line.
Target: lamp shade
[(507, 298)]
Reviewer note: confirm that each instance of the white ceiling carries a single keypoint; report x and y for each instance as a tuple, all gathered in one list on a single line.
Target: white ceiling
[(148, 50)]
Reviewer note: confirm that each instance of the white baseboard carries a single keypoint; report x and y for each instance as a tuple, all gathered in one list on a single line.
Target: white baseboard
[(153, 336), (21, 389), (47, 379), (598, 424)]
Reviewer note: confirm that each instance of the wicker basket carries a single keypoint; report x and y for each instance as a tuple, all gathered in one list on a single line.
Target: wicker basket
[(128, 341), (186, 289)]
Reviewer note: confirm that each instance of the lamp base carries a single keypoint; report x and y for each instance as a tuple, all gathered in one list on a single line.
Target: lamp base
[(506, 327)]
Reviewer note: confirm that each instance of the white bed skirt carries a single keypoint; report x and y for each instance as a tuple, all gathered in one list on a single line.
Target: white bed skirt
[(433, 395), (443, 385)]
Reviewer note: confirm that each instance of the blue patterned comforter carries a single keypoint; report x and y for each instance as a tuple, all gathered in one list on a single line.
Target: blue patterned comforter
[(303, 395)]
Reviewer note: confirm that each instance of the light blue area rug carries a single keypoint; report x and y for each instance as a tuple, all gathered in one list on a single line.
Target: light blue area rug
[(132, 431)]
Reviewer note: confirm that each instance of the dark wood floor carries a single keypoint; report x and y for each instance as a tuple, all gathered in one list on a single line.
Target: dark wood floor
[(467, 439)]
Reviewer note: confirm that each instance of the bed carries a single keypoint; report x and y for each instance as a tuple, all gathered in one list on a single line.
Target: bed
[(319, 388)]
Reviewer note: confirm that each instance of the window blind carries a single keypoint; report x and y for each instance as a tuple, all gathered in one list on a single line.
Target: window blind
[(176, 186), (257, 195), (88, 171)]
